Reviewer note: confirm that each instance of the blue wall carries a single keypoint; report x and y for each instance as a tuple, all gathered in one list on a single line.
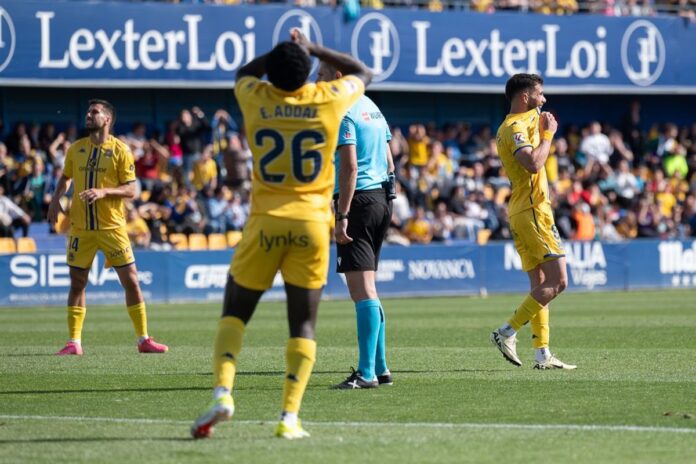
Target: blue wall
[(42, 279)]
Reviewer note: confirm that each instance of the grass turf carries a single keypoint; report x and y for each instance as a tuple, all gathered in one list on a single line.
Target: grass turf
[(454, 400)]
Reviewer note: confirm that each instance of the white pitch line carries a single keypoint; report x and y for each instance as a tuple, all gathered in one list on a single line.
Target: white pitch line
[(434, 425)]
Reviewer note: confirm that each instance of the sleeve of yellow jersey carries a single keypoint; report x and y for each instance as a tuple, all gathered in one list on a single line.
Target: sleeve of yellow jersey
[(516, 138), (345, 92), (68, 163), (125, 166), (244, 87)]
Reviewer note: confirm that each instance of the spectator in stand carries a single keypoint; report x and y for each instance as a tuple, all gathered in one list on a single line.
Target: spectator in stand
[(584, 222), (191, 130), (627, 186), (418, 146), (136, 139), (226, 142), (205, 171), (147, 167), (33, 193), (172, 141), (137, 229), (12, 216), (57, 150), (443, 223), (418, 229), (595, 146), (6, 168)]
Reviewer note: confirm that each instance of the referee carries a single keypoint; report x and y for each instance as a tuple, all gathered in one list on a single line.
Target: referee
[(363, 193)]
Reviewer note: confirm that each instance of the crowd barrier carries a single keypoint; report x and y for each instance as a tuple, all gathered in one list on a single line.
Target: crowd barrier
[(49, 43), (43, 278)]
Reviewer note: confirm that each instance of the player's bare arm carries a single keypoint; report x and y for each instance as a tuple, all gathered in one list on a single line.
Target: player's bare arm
[(343, 62), (255, 68), (122, 191), (390, 159), (346, 189), (54, 208), (535, 159)]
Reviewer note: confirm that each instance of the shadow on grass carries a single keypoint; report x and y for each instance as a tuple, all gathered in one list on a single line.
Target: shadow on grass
[(104, 390), (90, 440)]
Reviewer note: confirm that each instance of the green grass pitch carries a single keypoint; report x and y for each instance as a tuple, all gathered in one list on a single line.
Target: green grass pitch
[(631, 400)]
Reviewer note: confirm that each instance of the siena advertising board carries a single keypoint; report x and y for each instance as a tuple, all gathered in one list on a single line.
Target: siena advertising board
[(165, 45)]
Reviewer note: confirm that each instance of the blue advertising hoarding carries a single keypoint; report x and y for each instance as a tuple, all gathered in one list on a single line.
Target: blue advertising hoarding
[(43, 278), (165, 45)]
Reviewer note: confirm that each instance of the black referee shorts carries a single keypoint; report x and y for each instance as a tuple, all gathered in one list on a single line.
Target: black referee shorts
[(368, 222)]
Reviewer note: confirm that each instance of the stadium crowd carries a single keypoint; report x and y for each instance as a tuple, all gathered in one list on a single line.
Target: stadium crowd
[(684, 8), (607, 183)]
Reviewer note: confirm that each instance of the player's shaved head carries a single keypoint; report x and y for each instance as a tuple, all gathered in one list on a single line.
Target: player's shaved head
[(288, 66), (519, 83)]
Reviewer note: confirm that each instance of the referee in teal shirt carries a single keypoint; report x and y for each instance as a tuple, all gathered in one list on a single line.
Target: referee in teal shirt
[(363, 193)]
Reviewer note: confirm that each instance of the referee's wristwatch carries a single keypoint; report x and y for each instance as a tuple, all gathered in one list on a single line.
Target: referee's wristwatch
[(342, 216)]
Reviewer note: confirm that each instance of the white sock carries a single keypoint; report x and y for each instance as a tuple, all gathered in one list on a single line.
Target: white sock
[(143, 338), (542, 354), (219, 392), (506, 330), (290, 418), (76, 341)]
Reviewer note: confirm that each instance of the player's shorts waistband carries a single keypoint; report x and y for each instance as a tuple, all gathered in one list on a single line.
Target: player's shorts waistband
[(375, 192)]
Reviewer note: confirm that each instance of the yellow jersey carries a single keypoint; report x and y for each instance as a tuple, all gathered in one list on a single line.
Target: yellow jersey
[(518, 131), (292, 137), (98, 166), (203, 173)]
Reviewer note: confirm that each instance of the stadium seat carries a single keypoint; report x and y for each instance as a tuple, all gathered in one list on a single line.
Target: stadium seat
[(217, 242), (198, 242), (26, 245), (483, 235), (179, 241), (233, 238), (7, 245)]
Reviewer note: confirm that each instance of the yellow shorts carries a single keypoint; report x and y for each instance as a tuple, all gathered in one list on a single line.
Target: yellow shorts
[(536, 236), (299, 249), (114, 243)]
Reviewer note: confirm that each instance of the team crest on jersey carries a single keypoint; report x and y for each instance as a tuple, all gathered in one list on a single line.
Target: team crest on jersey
[(109, 153), (366, 116), (82, 150), (519, 138)]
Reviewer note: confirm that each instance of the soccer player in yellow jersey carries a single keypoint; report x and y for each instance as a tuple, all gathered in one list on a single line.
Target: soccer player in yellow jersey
[(523, 141), (101, 169), (292, 129)]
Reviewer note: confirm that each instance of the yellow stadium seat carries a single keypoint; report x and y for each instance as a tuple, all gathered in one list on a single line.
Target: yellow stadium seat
[(198, 242), (179, 241), (217, 242), (7, 245), (26, 245), (483, 236), (233, 238)]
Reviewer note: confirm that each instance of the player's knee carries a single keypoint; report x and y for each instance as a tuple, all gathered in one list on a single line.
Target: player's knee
[(561, 285), (78, 284)]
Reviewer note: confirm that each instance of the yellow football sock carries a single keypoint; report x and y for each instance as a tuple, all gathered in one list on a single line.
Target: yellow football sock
[(527, 310), (540, 328), (300, 356), (76, 317), (138, 316), (228, 344)]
